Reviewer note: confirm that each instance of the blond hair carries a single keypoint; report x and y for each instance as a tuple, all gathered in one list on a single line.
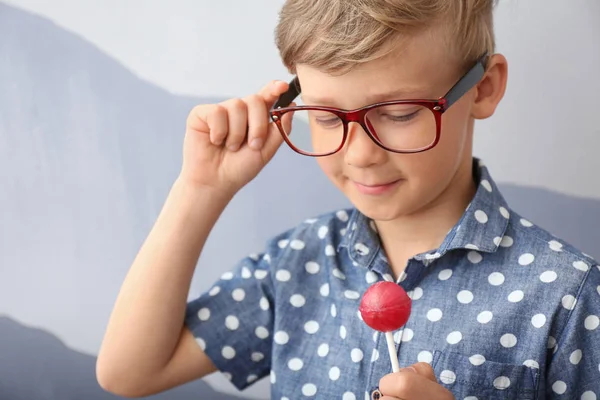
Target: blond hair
[(336, 35)]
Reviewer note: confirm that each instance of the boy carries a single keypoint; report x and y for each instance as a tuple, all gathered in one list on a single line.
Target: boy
[(501, 309)]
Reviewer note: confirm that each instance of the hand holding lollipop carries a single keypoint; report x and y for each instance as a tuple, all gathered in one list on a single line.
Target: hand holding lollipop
[(385, 307)]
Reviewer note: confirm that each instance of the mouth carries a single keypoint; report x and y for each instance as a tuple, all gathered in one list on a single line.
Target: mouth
[(376, 189)]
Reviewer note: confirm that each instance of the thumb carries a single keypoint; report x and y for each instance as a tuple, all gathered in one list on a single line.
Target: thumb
[(423, 369)]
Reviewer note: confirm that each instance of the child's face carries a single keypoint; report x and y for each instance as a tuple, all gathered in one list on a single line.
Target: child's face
[(420, 68)]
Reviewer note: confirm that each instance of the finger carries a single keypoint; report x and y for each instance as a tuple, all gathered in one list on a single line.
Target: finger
[(275, 136), (237, 114), (258, 121), (409, 385), (218, 124), (425, 370), (271, 92)]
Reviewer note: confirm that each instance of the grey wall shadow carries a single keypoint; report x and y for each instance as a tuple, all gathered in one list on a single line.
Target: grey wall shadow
[(36, 365)]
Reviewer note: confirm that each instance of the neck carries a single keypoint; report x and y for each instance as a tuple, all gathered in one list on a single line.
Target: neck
[(426, 229)]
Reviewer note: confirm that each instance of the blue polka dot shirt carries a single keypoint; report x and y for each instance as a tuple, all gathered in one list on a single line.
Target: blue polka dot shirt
[(501, 310)]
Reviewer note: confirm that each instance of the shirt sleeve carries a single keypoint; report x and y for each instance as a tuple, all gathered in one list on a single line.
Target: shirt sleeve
[(233, 321), (574, 369)]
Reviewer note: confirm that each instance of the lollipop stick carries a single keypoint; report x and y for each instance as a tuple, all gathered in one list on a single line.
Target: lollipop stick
[(392, 350)]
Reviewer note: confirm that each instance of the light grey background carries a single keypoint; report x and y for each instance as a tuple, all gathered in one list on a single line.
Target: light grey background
[(92, 109)]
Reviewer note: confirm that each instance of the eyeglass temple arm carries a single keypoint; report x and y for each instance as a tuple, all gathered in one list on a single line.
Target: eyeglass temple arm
[(290, 95), (467, 82)]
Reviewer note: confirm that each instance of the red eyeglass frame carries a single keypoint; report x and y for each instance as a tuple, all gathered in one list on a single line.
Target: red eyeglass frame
[(437, 107)]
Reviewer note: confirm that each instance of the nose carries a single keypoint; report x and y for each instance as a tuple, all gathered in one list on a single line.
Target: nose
[(360, 150)]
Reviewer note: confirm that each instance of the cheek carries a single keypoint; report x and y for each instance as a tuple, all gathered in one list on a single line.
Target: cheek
[(331, 166)]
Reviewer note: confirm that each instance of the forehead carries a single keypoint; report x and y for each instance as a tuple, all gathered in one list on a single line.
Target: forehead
[(417, 67)]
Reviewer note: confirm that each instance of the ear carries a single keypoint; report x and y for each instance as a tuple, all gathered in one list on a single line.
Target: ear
[(491, 88)]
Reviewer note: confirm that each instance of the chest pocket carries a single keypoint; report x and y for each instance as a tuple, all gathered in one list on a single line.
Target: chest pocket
[(487, 381)]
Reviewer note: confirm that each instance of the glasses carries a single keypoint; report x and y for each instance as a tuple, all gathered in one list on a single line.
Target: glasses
[(400, 126)]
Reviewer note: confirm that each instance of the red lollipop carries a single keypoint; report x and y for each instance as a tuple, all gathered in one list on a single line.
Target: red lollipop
[(386, 307)]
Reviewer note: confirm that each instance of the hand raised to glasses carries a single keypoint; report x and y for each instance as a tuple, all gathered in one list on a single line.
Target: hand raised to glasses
[(416, 382), (227, 144)]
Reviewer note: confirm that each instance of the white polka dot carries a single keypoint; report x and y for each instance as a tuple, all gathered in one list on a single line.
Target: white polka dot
[(323, 350), (373, 226), (486, 184), (283, 275), (351, 295), (356, 355), (267, 258), (348, 396), (589, 395), (295, 364), (471, 398), (238, 294), (531, 364), (333, 310), (323, 232), (568, 302), (371, 277), (329, 250), (448, 377), (246, 274), (215, 291), (508, 340), (201, 343), (538, 320), (273, 378), (324, 290), (425, 356), (407, 335), (555, 245), (297, 300), (257, 356), (309, 390), (464, 297), (496, 279), (253, 256), (375, 355), (551, 342), (260, 274), (343, 232), (227, 375), (598, 290), (548, 276), (477, 359), (343, 332), (501, 382), (471, 247), (497, 240), (342, 215), (281, 337), (311, 327), (338, 273), (592, 322), (204, 314), (361, 249), (526, 223), (251, 378), (445, 275), (481, 217), (582, 266), (575, 357), (388, 278), (312, 267), (434, 315), (227, 276), (375, 336), (559, 387), (506, 241), (504, 212), (359, 315), (232, 323), (334, 373), (297, 244), (454, 337), (264, 304), (474, 257), (526, 259), (228, 352), (485, 317), (283, 243), (262, 332), (417, 293), (516, 296)]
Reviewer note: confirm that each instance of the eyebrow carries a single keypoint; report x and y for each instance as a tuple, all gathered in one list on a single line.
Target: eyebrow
[(397, 94)]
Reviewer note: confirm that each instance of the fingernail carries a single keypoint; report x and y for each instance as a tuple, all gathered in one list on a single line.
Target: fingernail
[(256, 143)]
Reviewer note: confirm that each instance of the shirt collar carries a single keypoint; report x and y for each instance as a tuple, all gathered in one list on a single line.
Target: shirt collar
[(481, 227)]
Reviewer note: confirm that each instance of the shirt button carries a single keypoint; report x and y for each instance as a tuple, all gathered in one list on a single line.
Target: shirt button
[(376, 394)]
